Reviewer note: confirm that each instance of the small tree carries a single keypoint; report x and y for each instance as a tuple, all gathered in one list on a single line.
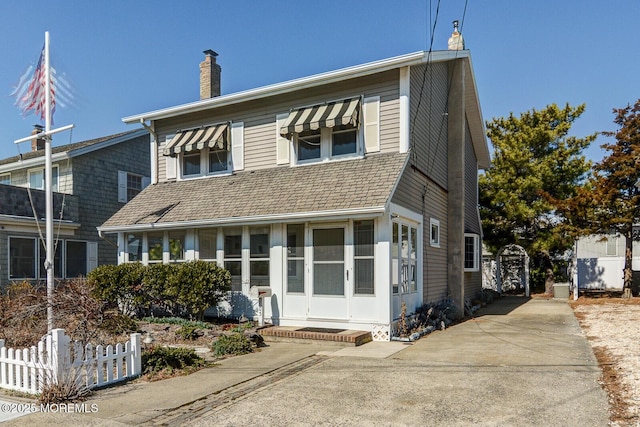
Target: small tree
[(616, 192), (535, 162)]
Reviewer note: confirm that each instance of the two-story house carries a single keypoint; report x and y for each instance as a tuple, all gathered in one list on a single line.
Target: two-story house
[(349, 192), (91, 180)]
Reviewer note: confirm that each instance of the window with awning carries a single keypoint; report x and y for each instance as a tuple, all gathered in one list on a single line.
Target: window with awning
[(213, 137), (327, 115)]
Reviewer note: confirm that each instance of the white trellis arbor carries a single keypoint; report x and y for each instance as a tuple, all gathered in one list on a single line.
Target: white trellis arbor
[(512, 268)]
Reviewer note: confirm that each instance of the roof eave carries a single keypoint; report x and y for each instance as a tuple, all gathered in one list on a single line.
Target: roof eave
[(250, 220), (298, 84)]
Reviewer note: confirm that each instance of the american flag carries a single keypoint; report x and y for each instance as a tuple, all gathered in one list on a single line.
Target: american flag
[(30, 90)]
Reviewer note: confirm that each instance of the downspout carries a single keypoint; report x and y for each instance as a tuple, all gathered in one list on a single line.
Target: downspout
[(154, 150)]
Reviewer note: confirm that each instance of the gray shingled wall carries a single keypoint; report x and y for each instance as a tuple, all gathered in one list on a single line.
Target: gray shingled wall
[(96, 183)]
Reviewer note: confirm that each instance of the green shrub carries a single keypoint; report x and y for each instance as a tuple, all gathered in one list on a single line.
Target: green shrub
[(185, 289), (177, 321), (189, 332), (235, 344), (120, 286), (170, 360)]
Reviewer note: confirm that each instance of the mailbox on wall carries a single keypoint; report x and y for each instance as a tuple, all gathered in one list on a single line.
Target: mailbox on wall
[(260, 291)]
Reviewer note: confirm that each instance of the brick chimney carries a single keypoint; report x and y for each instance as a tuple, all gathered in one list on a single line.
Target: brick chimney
[(456, 42), (209, 75), (37, 143)]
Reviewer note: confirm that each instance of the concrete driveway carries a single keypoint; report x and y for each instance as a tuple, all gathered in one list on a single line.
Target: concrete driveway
[(519, 362)]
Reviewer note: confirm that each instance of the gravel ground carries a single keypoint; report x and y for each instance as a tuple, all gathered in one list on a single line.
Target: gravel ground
[(612, 327)]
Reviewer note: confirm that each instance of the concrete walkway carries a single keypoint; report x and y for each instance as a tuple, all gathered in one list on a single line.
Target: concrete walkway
[(518, 362)]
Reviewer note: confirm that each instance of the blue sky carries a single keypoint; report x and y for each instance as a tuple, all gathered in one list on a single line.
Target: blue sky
[(129, 57)]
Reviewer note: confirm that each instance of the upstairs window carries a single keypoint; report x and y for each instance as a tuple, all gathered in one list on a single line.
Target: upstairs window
[(202, 151), (323, 132), (130, 184), (37, 178)]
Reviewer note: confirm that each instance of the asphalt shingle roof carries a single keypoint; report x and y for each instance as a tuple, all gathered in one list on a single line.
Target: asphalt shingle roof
[(62, 148), (349, 184)]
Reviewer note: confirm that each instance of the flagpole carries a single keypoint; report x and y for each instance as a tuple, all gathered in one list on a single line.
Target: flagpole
[(48, 187)]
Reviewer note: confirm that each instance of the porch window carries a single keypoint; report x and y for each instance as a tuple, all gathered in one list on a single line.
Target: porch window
[(328, 261), (22, 256), (155, 243), (363, 239), (134, 247), (76, 258), (176, 245), (207, 241), (57, 261), (259, 256), (233, 256), (471, 252), (5, 178), (295, 258), (413, 257), (395, 259)]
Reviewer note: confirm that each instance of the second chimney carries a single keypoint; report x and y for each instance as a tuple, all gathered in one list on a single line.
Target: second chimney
[(37, 143), (209, 75)]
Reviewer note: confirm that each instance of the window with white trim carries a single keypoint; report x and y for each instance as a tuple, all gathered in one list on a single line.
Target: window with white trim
[(233, 256), (295, 258), (37, 178), (72, 258), (259, 256), (130, 185), (5, 178), (176, 245), (471, 252), (76, 258), (434, 233), (327, 144), (363, 259), (155, 246), (208, 244), (134, 247)]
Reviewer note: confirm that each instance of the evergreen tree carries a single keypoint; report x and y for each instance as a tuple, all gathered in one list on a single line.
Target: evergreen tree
[(535, 164)]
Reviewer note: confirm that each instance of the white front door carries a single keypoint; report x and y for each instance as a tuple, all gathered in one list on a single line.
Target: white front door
[(328, 273)]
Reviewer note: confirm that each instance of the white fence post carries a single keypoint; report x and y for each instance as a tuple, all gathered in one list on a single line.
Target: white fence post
[(136, 357), (59, 354)]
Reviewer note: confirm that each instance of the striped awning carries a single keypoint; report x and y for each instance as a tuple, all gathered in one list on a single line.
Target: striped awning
[(197, 139), (328, 115)]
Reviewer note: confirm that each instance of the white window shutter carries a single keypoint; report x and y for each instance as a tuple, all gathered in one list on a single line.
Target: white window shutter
[(171, 165), (122, 186), (92, 255), (371, 110), (282, 143), (237, 145)]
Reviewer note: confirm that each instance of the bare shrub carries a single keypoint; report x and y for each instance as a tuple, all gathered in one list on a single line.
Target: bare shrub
[(23, 311), (68, 388)]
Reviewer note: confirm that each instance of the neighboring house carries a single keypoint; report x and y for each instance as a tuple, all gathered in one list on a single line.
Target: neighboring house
[(348, 192), (600, 261), (91, 179)]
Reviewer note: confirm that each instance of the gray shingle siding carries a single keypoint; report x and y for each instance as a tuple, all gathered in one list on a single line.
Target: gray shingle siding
[(96, 183)]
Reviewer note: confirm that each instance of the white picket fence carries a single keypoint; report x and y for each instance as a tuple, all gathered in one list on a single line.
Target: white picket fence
[(56, 359)]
